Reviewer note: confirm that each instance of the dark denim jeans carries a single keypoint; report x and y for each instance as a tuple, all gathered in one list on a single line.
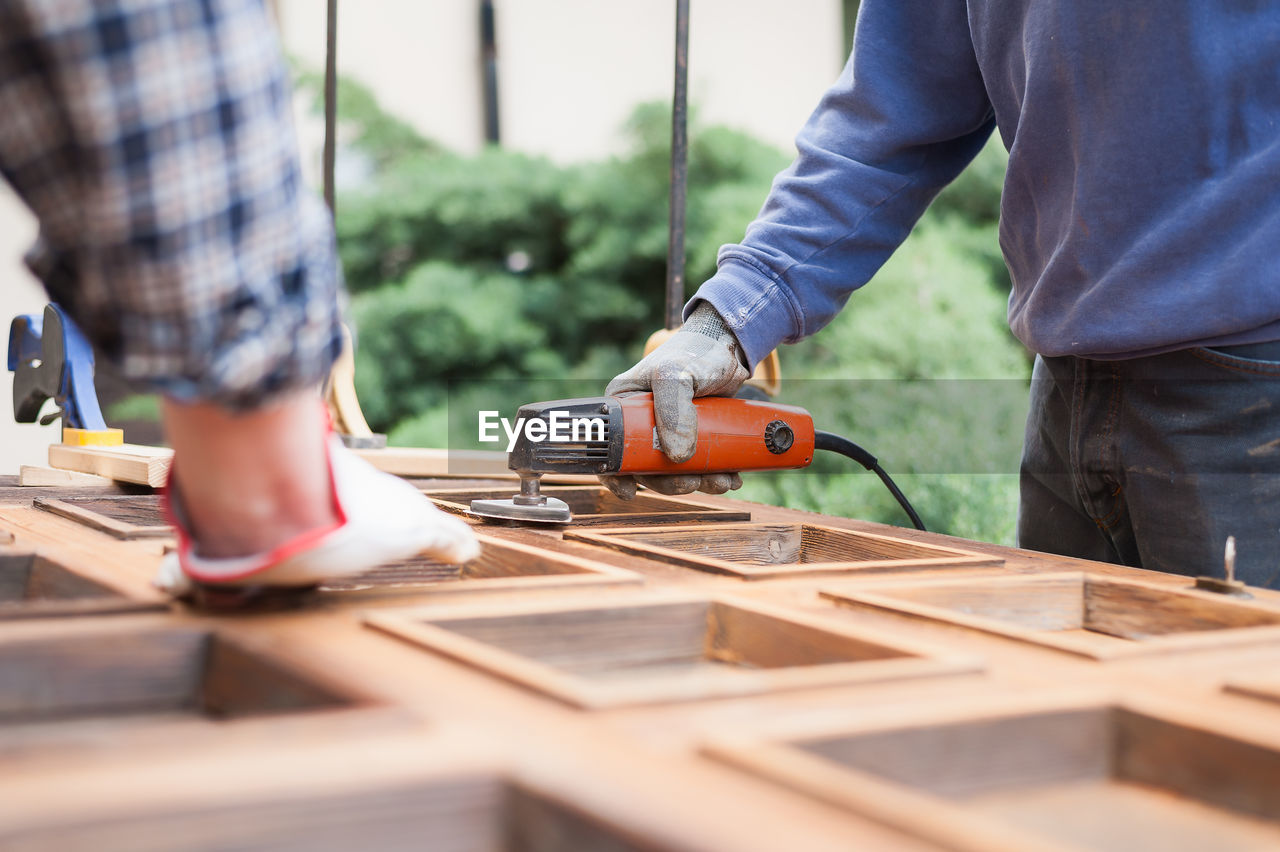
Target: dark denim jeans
[(1153, 462)]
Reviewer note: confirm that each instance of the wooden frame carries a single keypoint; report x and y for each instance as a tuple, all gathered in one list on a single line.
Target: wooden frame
[(1088, 615), (796, 550), (52, 671), (33, 586), (469, 693), (94, 512), (503, 566), (598, 506), (595, 655), (1053, 772)]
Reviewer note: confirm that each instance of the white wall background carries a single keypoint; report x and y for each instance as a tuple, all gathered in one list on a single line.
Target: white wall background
[(570, 72)]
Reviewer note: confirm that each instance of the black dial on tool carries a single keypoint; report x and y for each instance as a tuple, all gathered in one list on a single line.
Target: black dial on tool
[(778, 437)]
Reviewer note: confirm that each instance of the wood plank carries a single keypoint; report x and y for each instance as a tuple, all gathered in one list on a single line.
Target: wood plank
[(150, 465), (124, 518), (127, 463), (35, 476)]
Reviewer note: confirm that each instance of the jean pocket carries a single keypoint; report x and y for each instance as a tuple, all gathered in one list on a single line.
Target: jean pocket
[(1228, 357)]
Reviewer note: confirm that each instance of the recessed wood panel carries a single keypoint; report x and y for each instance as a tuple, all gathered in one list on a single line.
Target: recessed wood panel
[(501, 566), (89, 673), (670, 650), (1107, 776), (469, 812), (33, 586), (598, 506), (769, 551), (1088, 615)]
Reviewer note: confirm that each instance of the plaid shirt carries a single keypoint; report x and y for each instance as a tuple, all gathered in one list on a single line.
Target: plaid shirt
[(153, 139)]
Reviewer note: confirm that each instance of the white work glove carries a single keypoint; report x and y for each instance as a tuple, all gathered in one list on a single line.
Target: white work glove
[(703, 358)]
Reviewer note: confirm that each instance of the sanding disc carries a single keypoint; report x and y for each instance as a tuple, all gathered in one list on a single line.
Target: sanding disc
[(553, 511)]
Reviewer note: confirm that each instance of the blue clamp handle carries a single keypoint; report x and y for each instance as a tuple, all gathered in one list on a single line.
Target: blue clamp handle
[(50, 359)]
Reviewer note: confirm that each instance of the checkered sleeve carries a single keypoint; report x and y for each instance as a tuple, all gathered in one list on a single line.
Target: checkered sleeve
[(154, 141)]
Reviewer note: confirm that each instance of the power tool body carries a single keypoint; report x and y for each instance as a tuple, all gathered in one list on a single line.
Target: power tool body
[(617, 435)]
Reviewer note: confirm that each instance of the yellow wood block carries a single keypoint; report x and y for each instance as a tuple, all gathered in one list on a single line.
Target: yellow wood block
[(92, 437)]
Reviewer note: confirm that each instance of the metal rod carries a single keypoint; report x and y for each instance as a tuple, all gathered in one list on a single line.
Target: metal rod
[(331, 104), (679, 169), (489, 58)]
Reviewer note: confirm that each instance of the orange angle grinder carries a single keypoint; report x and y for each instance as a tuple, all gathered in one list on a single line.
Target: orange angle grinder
[(616, 435)]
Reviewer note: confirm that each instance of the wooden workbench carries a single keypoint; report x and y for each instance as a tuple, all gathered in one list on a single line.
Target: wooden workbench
[(767, 684)]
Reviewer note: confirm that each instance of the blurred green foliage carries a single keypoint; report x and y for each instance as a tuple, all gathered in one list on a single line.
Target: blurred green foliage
[(504, 266), (486, 281)]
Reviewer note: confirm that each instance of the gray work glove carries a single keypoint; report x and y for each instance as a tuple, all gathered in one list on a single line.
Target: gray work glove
[(703, 358)]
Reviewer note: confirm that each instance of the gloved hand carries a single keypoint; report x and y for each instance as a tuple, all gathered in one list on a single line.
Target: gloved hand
[(702, 359)]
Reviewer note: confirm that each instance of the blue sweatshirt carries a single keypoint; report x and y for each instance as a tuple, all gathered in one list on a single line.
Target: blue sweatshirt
[(1141, 207)]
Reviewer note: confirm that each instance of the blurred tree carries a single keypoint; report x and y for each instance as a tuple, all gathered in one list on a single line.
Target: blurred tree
[(501, 265)]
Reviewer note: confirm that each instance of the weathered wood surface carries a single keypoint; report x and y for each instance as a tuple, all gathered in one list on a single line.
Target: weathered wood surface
[(1078, 613), (32, 586), (640, 652), (771, 551), (1016, 774), (701, 684), (119, 517), (598, 506), (502, 566), (50, 670)]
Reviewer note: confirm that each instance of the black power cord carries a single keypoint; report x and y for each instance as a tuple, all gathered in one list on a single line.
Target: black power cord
[(833, 443)]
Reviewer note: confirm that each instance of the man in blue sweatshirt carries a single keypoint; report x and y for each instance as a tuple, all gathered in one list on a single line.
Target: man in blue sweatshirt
[(1140, 222)]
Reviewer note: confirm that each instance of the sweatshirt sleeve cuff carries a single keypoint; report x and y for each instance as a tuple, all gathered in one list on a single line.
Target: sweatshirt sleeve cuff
[(757, 309)]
